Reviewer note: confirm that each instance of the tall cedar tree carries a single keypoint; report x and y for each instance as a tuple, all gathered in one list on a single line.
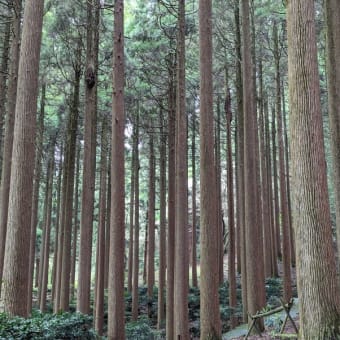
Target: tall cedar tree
[(162, 226), (210, 315), (255, 283), (319, 303), (9, 129), (89, 168), (181, 285), (16, 274), (116, 308)]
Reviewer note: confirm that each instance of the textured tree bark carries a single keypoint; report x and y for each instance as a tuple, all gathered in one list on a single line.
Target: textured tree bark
[(240, 218), (276, 226), (131, 212), (265, 204), (230, 188), (89, 164), (210, 315), (162, 227), (116, 306), (15, 277), (317, 282), (255, 283), (181, 280), (219, 212), (194, 208), (3, 81), (99, 310), (66, 219), (47, 232), (9, 130), (35, 200), (75, 222), (151, 222), (332, 10), (57, 229), (135, 264), (171, 208)]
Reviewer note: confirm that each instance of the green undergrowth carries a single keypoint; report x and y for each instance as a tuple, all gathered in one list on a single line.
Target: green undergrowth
[(47, 326)]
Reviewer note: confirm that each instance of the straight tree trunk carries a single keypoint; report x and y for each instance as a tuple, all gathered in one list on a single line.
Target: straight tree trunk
[(35, 198), (241, 258), (181, 279), (64, 247), (276, 226), (99, 310), (171, 209), (47, 228), (255, 283), (219, 212), (230, 188), (16, 275), (57, 229), (131, 216), (210, 315), (162, 227), (9, 130), (75, 222), (194, 216), (116, 306), (135, 265), (151, 220), (89, 167), (265, 204), (3, 80), (317, 282)]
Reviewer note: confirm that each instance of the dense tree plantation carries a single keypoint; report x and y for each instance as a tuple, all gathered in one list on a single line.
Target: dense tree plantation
[(170, 169)]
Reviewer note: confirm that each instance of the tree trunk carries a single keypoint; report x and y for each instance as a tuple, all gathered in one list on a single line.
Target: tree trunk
[(135, 264), (47, 232), (99, 310), (57, 229), (194, 216), (255, 283), (267, 244), (9, 130), (162, 227), (64, 247), (151, 222), (116, 306), (89, 167), (230, 187), (75, 222), (16, 262), (241, 257), (3, 80), (131, 211), (171, 209), (317, 284), (181, 281), (35, 199), (210, 314)]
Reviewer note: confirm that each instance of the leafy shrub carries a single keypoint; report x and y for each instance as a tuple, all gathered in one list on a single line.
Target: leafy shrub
[(47, 326), (141, 330)]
